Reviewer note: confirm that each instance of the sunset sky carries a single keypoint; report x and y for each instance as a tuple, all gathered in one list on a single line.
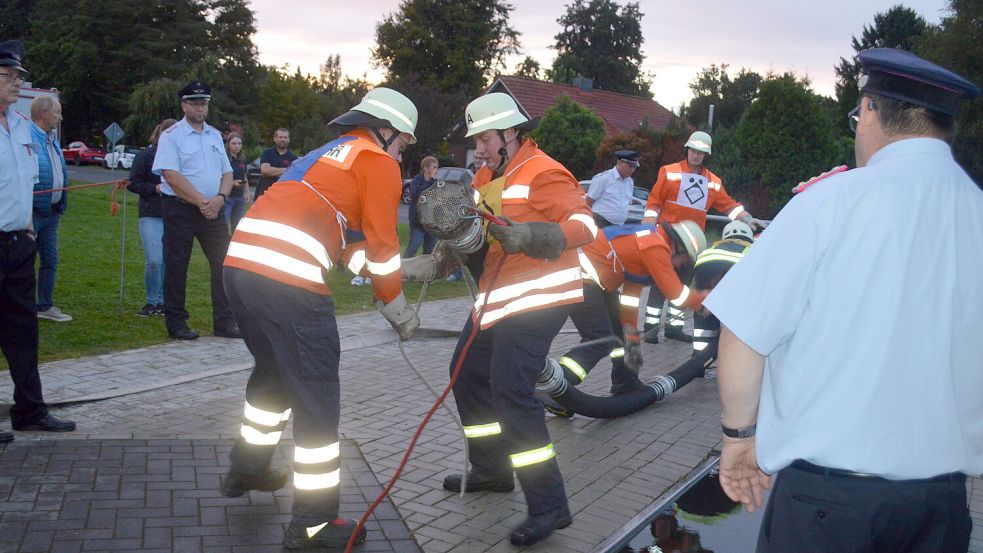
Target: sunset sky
[(680, 39)]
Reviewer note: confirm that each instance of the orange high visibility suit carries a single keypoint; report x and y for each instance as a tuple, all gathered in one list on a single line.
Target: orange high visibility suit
[(679, 194), (336, 203), (318, 213), (535, 188)]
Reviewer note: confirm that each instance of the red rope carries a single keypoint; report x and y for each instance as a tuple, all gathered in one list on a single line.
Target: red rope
[(117, 185), (475, 326)]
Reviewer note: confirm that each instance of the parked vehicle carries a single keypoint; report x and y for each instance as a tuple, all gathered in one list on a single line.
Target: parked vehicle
[(253, 173), (78, 153), (460, 175), (636, 210), (121, 157)]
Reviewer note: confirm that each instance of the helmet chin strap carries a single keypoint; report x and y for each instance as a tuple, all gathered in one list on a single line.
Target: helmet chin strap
[(385, 143), (503, 153)]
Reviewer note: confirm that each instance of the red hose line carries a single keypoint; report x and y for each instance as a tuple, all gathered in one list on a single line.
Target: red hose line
[(475, 326)]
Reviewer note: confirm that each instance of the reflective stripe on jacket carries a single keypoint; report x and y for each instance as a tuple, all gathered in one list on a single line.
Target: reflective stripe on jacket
[(298, 229), (536, 188)]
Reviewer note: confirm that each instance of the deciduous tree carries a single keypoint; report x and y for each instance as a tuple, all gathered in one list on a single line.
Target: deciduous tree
[(957, 43), (603, 41), (898, 27), (570, 133), (450, 46), (785, 138)]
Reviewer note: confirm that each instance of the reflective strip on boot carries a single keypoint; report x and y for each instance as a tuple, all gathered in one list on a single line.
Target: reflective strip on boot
[(574, 367), (482, 430), (699, 345), (533, 456), (315, 529)]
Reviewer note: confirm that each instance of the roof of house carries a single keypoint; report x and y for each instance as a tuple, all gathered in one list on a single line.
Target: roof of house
[(621, 113)]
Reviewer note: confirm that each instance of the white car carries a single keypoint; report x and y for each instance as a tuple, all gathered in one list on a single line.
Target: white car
[(121, 157)]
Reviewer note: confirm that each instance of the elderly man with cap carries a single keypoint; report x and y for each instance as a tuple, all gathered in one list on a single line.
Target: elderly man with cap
[(871, 422), (196, 178), (336, 205), (529, 277), (610, 192), (685, 190), (18, 315)]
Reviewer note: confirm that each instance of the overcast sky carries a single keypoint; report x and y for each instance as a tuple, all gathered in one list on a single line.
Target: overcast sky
[(680, 37)]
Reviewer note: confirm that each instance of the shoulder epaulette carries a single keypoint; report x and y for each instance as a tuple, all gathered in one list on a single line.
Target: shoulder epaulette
[(806, 184)]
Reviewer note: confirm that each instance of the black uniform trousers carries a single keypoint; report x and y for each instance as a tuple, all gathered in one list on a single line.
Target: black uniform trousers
[(497, 383), (183, 223), (19, 325), (598, 317), (293, 336), (809, 510)]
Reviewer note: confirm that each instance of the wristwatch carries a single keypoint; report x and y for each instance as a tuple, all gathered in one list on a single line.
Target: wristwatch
[(224, 197), (746, 432)]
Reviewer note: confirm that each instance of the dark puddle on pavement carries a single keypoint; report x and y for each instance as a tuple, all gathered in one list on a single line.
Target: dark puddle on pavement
[(701, 520)]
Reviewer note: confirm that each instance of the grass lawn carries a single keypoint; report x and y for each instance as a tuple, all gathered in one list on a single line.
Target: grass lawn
[(88, 284)]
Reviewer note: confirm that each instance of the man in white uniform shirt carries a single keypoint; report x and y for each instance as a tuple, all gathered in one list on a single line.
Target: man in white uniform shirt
[(610, 192), (871, 422)]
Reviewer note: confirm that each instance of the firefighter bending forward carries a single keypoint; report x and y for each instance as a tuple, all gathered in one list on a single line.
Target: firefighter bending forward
[(628, 258), (528, 301), (337, 203)]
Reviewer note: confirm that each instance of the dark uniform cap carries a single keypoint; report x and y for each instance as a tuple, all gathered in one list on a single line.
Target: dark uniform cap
[(12, 54), (628, 156), (196, 90), (901, 75)]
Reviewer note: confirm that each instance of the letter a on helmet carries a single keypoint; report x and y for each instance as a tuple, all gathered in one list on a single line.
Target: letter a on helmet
[(493, 111)]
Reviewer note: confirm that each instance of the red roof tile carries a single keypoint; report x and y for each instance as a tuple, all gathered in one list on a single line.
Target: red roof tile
[(620, 112)]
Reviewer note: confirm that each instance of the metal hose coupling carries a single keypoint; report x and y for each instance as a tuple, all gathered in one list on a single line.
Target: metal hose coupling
[(663, 386), (551, 380)]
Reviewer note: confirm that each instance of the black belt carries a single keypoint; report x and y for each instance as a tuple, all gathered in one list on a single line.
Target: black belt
[(806, 466)]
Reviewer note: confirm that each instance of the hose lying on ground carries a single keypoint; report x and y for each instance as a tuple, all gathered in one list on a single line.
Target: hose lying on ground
[(555, 384)]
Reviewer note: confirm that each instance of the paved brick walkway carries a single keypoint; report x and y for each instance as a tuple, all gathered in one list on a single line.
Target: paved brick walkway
[(612, 468)]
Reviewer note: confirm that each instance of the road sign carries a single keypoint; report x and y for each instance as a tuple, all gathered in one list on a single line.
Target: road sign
[(114, 133)]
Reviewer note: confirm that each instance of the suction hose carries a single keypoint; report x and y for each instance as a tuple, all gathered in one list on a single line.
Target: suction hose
[(554, 383)]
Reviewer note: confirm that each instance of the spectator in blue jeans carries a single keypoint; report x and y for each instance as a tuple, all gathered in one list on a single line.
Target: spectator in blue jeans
[(145, 183), (419, 235), (235, 206), (50, 200)]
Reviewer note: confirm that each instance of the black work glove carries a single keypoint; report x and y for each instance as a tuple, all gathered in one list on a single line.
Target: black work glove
[(535, 239)]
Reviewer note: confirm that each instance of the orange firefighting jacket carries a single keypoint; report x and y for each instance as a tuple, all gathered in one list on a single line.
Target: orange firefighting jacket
[(679, 194), (536, 188), (633, 260), (337, 203)]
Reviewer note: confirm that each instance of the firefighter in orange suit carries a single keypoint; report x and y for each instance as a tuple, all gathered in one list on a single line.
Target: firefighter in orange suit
[(530, 276), (337, 204), (686, 190), (629, 257)]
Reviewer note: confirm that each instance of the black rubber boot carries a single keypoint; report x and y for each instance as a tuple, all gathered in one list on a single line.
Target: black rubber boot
[(652, 335), (676, 333), (538, 527), (235, 483), (480, 482), (334, 535)]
